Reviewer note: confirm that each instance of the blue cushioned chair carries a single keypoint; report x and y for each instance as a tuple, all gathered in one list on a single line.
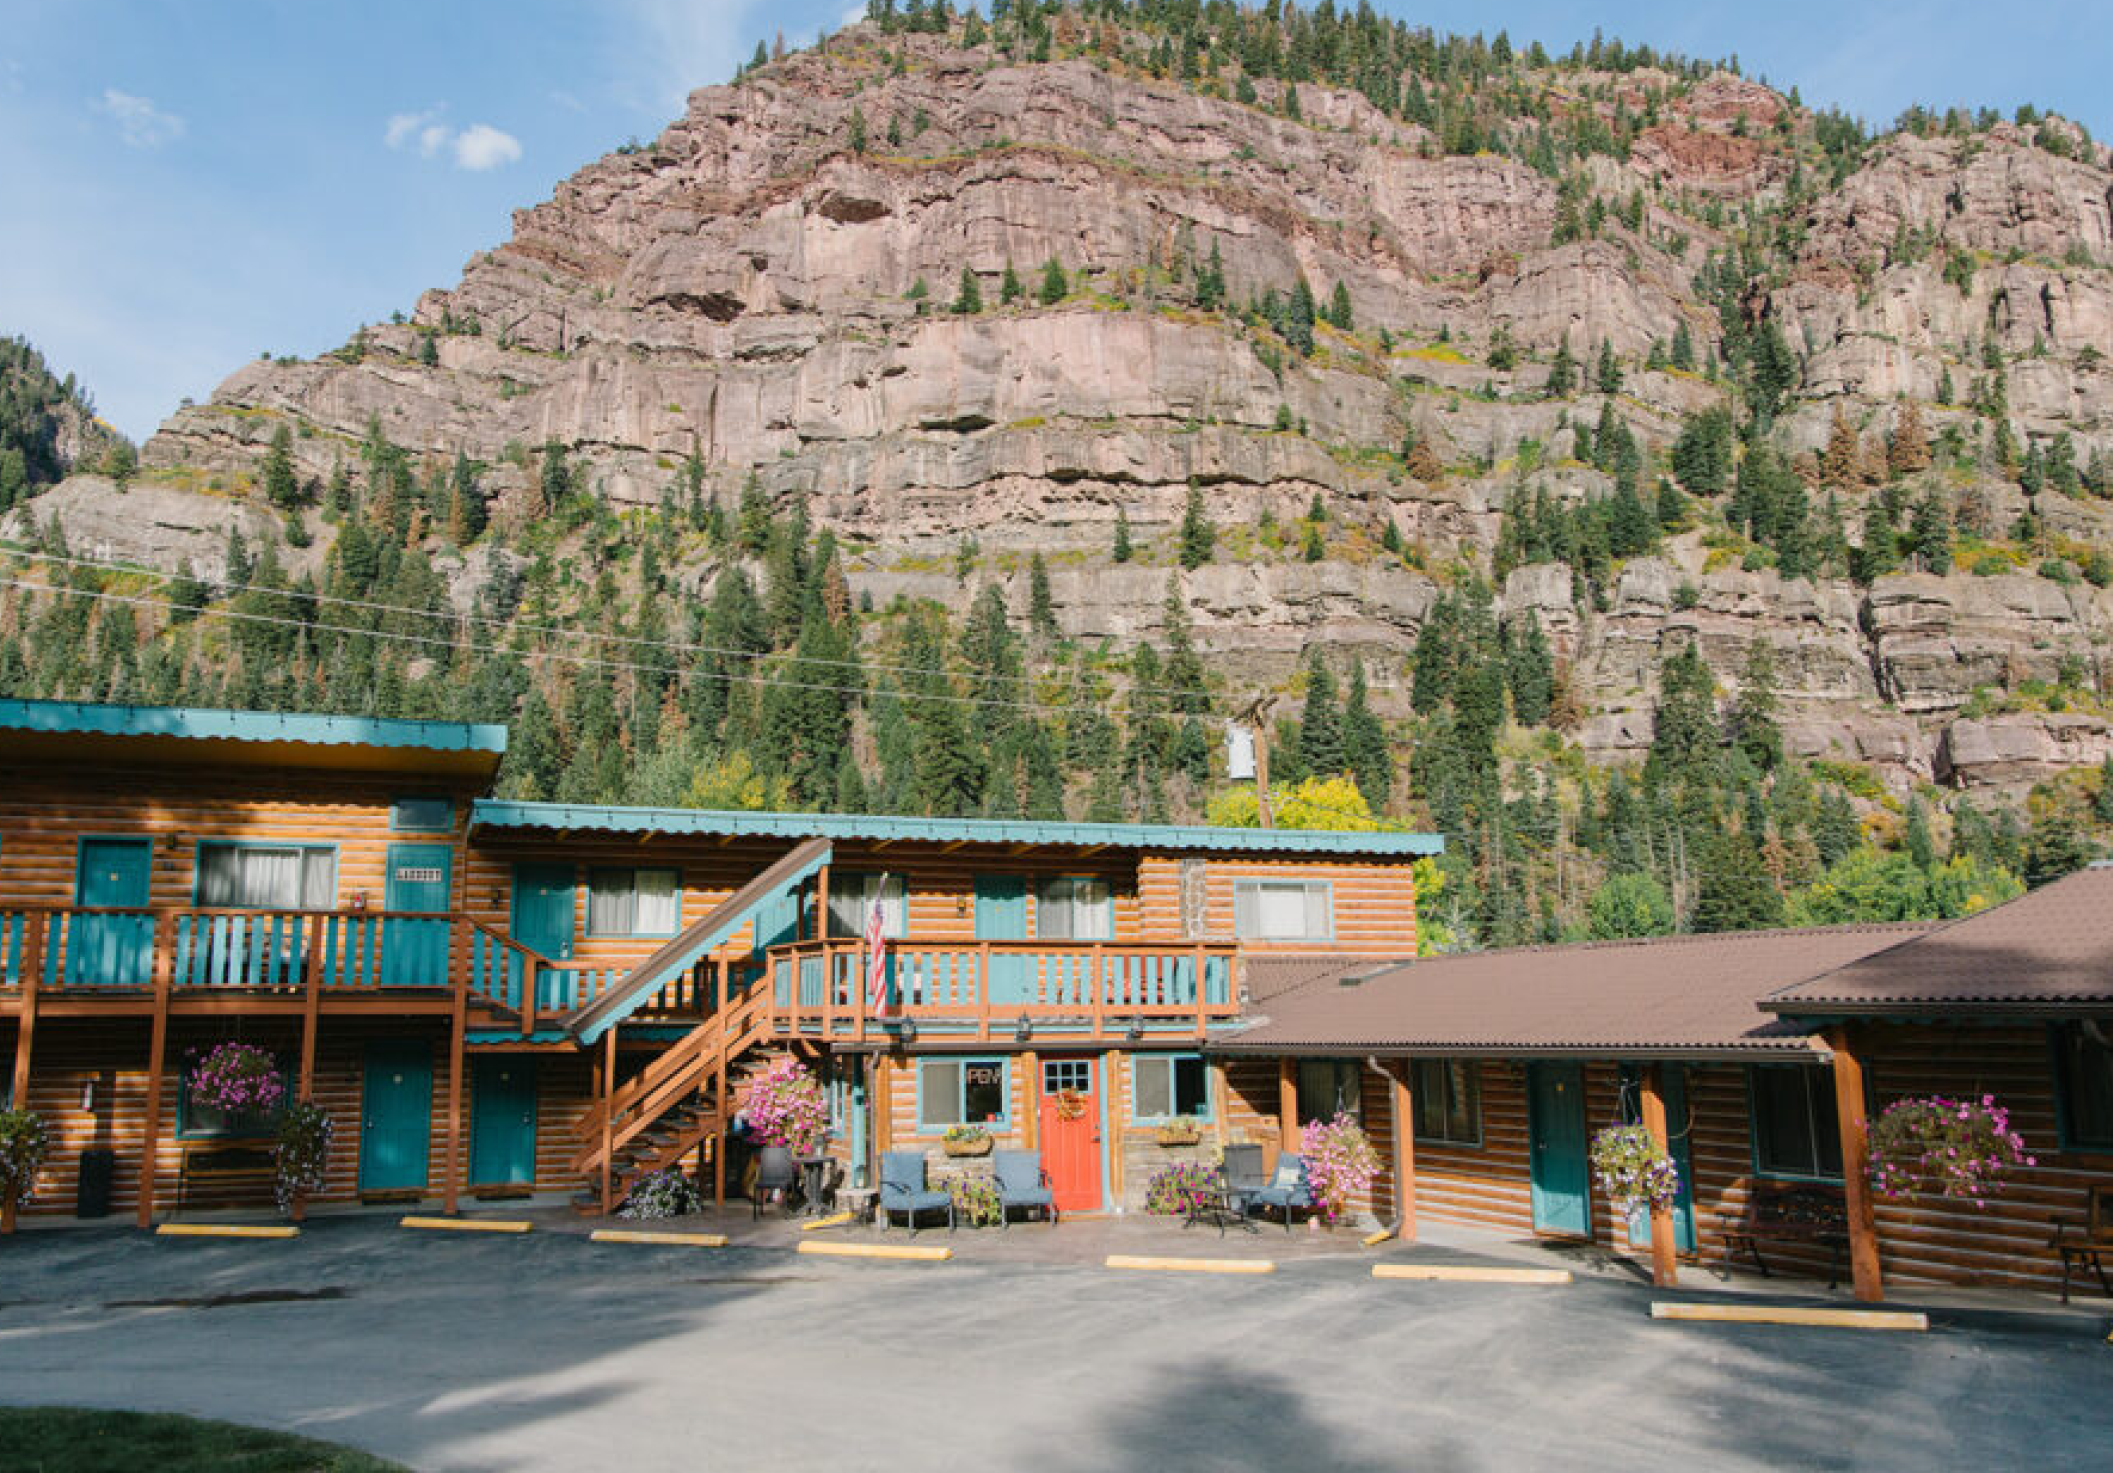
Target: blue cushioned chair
[(1022, 1183), (902, 1189), (1287, 1189)]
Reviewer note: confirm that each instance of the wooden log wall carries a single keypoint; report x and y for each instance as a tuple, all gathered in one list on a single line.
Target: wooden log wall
[(1375, 900)]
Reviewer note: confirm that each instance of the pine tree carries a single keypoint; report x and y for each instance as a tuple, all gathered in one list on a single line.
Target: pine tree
[(1753, 711), (1842, 460), (1321, 746), (1198, 536), (1313, 547), (1908, 450), (282, 488), (856, 134), (1607, 376), (1009, 283), (1298, 319), (968, 299), (1339, 308), (1365, 742), (1054, 287), (1930, 534), (1562, 372), (466, 508), (1122, 550), (1529, 670), (1683, 351), (1041, 606)]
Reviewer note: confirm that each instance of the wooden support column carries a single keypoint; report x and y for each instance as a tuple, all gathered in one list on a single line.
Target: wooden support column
[(311, 1003), (1030, 1099), (37, 924), (720, 1103), (609, 1121), (1221, 1097), (1404, 1104), (1856, 1154), (1287, 1104), (458, 1030), (1113, 1114), (157, 1062), (883, 1106), (1665, 1272)]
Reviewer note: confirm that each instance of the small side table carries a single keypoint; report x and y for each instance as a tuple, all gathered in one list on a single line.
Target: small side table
[(1215, 1206), (858, 1201), (814, 1184)]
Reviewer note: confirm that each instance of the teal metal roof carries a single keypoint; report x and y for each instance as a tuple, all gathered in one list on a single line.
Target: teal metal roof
[(80, 718), (492, 813)]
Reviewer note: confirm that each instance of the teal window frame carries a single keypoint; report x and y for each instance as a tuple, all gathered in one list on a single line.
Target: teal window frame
[(595, 872), (1170, 1062), (400, 824), (305, 847), (1336, 1067), (2065, 1112), (1422, 1073), (1820, 1102), (261, 1128), (958, 1108)]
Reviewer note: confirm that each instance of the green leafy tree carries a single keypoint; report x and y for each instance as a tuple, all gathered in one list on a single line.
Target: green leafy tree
[(1629, 906)]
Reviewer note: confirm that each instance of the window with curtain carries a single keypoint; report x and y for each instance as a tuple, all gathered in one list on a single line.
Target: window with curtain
[(634, 902), (266, 877), (2086, 1083), (1328, 1088), (1448, 1103), (1074, 910), (960, 1092), (851, 898), (1163, 1086), (1284, 910), (1795, 1131)]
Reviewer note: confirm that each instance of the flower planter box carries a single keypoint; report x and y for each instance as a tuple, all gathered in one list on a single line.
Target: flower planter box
[(1178, 1137), (968, 1148)]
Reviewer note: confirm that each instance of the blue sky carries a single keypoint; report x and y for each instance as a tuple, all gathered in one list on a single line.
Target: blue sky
[(191, 184)]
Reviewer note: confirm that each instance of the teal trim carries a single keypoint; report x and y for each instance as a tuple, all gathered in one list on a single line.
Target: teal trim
[(396, 1115), (197, 724), (502, 1120), (108, 951), (495, 813), (960, 1103), (1001, 915), (1138, 1061), (1562, 1201), (2064, 1087), (421, 814)]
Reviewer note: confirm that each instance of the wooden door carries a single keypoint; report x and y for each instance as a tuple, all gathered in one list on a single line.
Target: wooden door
[(112, 951), (1001, 915), (420, 878), (542, 921), (1562, 1201), (1070, 1117), (503, 1121), (396, 1112)]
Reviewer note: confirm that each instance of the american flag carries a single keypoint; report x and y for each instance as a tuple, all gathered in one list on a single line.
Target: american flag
[(877, 953)]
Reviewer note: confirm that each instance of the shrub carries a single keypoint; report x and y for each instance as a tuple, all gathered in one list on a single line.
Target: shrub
[(23, 1140), (1340, 1163), (665, 1193), (305, 1133), (1174, 1190), (237, 1079), (1945, 1147), (976, 1200), (1633, 1171), (785, 1107)]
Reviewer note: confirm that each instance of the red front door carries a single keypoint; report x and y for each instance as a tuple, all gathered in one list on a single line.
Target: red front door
[(1070, 1107)]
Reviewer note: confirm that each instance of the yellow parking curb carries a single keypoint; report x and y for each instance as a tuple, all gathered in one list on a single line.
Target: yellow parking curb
[(1373, 1240), (469, 1224), (835, 1219), (1194, 1265), (914, 1252), (1468, 1274), (671, 1240), (1768, 1314), (222, 1230)]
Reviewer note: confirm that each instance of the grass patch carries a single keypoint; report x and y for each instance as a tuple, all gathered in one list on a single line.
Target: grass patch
[(76, 1440)]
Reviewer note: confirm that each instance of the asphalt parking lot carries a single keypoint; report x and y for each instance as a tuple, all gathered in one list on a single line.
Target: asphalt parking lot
[(547, 1351)]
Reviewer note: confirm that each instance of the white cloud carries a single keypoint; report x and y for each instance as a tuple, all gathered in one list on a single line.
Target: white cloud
[(673, 46), (139, 122), (480, 146)]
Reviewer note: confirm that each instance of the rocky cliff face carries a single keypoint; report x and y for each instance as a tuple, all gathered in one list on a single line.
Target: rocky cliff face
[(741, 290)]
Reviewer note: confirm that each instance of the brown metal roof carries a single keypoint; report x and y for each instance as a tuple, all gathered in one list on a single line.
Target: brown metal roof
[(1675, 996), (2048, 951), (1269, 975)]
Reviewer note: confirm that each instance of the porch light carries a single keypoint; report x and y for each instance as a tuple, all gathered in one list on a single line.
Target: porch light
[(909, 1030), (1024, 1030), (1137, 1027)]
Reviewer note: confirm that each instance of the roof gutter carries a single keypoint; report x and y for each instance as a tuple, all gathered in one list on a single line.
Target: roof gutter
[(1788, 1049)]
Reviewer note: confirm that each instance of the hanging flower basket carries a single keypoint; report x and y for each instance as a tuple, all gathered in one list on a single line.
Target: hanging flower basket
[(1177, 1133), (1340, 1164), (303, 1155), (1070, 1105), (1937, 1146), (1632, 1171), (23, 1140), (786, 1107), (966, 1140), (237, 1079)]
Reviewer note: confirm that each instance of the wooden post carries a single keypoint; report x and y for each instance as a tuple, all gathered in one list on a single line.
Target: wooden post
[(157, 1058), (1665, 1272), (531, 988), (458, 1028), (311, 1002), (1404, 1150), (883, 1105), (1030, 1099), (1856, 1183), (37, 924), (1221, 1096), (983, 991), (609, 1120), (1287, 1104), (1111, 1122), (1202, 1005), (719, 1100)]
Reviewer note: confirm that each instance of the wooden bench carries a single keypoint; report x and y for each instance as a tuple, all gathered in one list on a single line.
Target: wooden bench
[(231, 1162), (1796, 1213), (2086, 1244)]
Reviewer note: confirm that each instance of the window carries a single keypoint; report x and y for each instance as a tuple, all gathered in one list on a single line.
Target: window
[(266, 877), (1074, 910), (1448, 1104), (1284, 910), (422, 815), (634, 902), (2084, 1080), (200, 1122), (851, 898), (960, 1092), (1328, 1088), (1795, 1130), (1166, 1085)]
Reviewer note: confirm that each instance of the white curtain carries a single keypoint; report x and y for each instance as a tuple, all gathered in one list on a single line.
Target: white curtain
[(247, 877), (850, 897), (1075, 910)]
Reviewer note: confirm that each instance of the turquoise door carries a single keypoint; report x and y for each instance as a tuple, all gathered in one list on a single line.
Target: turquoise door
[(543, 922), (502, 1121), (1672, 1085), (1556, 1103), (396, 1112), (111, 951), (1001, 915), (421, 878)]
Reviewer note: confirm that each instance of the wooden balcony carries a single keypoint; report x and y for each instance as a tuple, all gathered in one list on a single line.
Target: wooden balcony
[(984, 990)]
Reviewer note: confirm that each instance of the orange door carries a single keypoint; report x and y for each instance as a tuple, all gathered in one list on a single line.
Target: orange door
[(1071, 1133)]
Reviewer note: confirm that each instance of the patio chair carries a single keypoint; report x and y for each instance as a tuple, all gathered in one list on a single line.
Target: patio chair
[(2086, 1244), (1022, 1183), (1242, 1170), (775, 1172), (902, 1189), (1287, 1189)]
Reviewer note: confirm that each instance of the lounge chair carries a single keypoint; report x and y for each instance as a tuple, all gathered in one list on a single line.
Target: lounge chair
[(1022, 1183), (902, 1189), (1242, 1170), (775, 1172), (1287, 1189)]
